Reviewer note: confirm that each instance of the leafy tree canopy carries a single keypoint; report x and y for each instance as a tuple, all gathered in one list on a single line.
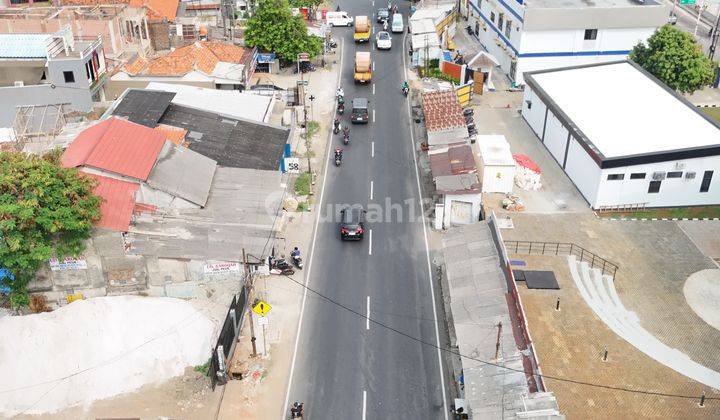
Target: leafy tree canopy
[(305, 3), (675, 58), (273, 28), (45, 211)]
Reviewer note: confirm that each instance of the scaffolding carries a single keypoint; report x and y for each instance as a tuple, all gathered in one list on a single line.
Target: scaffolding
[(38, 125)]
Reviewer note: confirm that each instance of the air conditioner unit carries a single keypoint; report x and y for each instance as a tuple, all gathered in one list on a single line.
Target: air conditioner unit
[(679, 166), (658, 176), (689, 175)]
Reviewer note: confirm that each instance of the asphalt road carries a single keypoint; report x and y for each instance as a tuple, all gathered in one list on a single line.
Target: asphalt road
[(346, 367)]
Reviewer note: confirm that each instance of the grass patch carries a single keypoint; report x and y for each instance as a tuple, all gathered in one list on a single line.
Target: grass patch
[(435, 73), (712, 112), (303, 206), (302, 184), (204, 368), (699, 212), (311, 129)]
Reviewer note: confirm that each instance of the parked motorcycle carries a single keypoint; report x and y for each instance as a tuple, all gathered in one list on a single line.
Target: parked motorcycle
[(280, 266), (469, 30), (346, 135), (341, 108), (405, 91), (336, 126)]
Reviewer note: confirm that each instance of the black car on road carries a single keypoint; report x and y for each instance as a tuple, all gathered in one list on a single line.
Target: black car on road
[(352, 225), (359, 114)]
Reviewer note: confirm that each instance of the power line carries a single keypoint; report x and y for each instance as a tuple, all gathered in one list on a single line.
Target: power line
[(450, 351)]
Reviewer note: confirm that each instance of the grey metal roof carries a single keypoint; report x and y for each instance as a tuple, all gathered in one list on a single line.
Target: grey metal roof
[(457, 184), (144, 107), (240, 213), (181, 172), (23, 45), (231, 142), (477, 302)]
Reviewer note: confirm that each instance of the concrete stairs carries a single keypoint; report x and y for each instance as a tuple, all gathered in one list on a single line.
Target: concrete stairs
[(599, 293)]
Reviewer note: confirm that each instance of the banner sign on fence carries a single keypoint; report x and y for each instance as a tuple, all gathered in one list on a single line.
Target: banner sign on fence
[(222, 267), (68, 264)]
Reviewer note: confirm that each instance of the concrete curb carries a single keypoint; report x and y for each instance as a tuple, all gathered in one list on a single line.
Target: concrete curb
[(645, 219)]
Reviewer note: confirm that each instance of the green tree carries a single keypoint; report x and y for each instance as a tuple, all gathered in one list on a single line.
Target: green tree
[(45, 211), (273, 28), (675, 58)]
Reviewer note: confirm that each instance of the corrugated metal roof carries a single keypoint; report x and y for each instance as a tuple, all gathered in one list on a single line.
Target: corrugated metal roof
[(118, 146), (23, 45), (183, 173), (118, 202), (453, 161)]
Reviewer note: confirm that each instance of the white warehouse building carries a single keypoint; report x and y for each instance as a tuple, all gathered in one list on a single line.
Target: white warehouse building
[(530, 35), (623, 137)]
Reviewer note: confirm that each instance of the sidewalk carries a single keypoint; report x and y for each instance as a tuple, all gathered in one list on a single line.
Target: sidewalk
[(261, 392)]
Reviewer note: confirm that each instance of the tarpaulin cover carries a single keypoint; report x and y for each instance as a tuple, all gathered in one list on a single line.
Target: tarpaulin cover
[(526, 162)]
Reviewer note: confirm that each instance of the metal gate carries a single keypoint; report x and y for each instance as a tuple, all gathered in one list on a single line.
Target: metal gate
[(460, 212)]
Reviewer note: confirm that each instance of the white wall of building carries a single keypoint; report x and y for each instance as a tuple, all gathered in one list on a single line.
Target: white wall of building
[(545, 49), (583, 171), (673, 191), (533, 110)]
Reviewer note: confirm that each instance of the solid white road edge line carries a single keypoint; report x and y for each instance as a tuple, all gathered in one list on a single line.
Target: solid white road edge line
[(312, 255), (370, 247), (371, 189), (364, 405), (427, 247), (367, 318)]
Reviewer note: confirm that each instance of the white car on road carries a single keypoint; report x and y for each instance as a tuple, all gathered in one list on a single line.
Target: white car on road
[(383, 40)]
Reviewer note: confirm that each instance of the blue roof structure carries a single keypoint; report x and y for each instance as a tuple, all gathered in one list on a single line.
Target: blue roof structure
[(23, 45)]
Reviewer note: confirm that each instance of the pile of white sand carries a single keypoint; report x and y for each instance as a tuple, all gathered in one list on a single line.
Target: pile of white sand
[(103, 347)]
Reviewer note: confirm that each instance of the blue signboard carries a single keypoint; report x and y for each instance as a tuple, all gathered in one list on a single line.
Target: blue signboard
[(264, 58)]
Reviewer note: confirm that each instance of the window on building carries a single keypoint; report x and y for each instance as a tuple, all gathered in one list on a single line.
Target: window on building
[(654, 187), (638, 175), (69, 77), (616, 177), (188, 31), (501, 18), (508, 26), (143, 32), (677, 174), (43, 77), (492, 17), (590, 34), (705, 185)]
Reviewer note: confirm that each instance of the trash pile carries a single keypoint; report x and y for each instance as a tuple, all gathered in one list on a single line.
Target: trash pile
[(527, 173), (512, 202)]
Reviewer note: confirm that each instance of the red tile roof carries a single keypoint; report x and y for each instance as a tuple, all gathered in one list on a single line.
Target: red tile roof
[(118, 146), (118, 202), (201, 56), (442, 110)]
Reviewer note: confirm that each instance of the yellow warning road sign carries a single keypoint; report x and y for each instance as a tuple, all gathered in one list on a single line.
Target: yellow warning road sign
[(261, 308)]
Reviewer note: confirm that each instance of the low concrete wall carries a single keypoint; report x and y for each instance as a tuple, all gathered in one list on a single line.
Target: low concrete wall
[(110, 271), (11, 97)]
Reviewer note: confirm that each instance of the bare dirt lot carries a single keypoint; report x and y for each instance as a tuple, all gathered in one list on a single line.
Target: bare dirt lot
[(655, 259)]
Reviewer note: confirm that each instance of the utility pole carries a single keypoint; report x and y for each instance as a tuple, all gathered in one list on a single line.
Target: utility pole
[(700, 12), (714, 37), (248, 291)]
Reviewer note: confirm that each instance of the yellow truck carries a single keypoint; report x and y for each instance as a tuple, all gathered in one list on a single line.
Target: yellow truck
[(362, 29), (363, 67)]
